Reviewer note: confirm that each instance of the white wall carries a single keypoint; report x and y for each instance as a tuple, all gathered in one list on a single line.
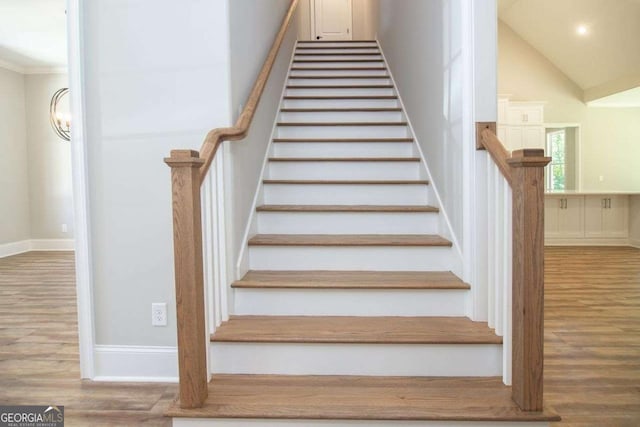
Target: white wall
[(634, 221), (422, 42), (364, 16), (14, 178), (156, 78), (51, 197), (253, 27), (610, 137)]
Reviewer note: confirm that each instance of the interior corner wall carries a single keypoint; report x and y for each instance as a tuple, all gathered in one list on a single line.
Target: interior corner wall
[(14, 178), (422, 43), (634, 221), (153, 82), (364, 15), (253, 27), (50, 181), (610, 137)]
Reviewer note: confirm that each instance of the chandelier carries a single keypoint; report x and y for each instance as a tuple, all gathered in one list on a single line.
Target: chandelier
[(60, 120)]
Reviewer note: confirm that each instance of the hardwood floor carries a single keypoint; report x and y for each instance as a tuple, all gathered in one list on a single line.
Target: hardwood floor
[(39, 350), (592, 335), (592, 342)]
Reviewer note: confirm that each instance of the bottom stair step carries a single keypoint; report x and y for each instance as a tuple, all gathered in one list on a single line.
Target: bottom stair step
[(235, 399)]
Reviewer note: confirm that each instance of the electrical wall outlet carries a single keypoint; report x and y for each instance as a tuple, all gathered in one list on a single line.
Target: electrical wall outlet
[(159, 314), (64, 228)]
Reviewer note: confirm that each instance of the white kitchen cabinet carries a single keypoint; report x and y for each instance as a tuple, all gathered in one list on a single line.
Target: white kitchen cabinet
[(519, 137), (564, 217), (525, 113), (520, 124), (607, 216)]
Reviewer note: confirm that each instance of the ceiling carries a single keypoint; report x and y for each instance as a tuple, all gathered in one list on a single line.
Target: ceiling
[(603, 61), (33, 35)]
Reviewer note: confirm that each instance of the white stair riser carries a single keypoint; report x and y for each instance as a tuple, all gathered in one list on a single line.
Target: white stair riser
[(334, 194), (341, 117), (372, 44), (307, 50), (301, 56), (381, 72), (356, 359), (349, 302), (347, 223), (340, 103), (336, 82), (356, 258), (340, 92), (343, 149), (229, 422), (345, 64), (342, 132), (344, 170)]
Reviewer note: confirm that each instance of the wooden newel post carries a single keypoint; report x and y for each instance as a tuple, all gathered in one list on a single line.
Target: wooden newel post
[(527, 169), (187, 245)]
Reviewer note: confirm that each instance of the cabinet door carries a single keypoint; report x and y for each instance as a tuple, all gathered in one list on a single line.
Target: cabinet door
[(615, 217), (593, 210), (533, 137), (503, 107), (551, 213), (502, 134), (514, 138), (571, 217), (525, 114)]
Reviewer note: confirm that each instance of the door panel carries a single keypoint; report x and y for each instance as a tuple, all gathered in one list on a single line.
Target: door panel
[(333, 20)]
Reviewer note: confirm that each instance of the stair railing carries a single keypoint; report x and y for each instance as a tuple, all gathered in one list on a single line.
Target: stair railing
[(515, 274), (189, 170)]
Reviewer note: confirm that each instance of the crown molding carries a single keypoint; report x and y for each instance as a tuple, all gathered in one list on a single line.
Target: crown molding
[(11, 66)]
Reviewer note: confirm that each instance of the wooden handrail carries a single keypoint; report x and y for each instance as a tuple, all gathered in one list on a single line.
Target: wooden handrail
[(188, 171), (240, 130), (524, 170)]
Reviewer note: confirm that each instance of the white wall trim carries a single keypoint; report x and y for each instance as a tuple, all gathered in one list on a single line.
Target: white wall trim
[(22, 246), (592, 242), (635, 243), (82, 225), (46, 70), (12, 67), (14, 248), (135, 363), (257, 422), (52, 244)]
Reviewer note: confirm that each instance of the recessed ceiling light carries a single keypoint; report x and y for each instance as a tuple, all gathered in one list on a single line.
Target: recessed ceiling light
[(582, 30)]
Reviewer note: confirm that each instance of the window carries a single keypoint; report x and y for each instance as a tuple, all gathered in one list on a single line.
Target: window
[(556, 172)]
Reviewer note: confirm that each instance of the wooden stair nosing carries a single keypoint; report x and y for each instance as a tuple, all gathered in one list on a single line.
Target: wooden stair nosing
[(396, 280), (339, 86), (340, 140), (312, 42), (289, 97), (350, 240), (359, 398), (337, 53), (338, 69), (363, 77), (333, 61), (349, 208), (342, 110), (337, 47), (345, 182), (344, 159), (352, 329), (332, 124)]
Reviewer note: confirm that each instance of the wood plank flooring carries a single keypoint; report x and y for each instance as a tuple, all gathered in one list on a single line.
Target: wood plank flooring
[(39, 350), (592, 342)]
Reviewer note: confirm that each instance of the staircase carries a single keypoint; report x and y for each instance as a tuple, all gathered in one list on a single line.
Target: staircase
[(349, 313)]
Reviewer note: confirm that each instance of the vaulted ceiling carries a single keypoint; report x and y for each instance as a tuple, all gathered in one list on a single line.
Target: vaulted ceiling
[(604, 61), (33, 35)]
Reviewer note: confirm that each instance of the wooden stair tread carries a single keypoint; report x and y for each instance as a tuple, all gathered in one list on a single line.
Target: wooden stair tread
[(338, 53), (314, 77), (350, 280), (348, 240), (352, 329), (360, 398), (339, 86), (307, 124), (344, 182), (329, 140), (311, 42), (342, 97), (300, 47), (340, 110), (338, 69), (346, 208), (331, 61), (344, 159)]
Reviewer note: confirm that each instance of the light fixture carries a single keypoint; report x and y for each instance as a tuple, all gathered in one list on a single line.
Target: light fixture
[(60, 121), (582, 30)]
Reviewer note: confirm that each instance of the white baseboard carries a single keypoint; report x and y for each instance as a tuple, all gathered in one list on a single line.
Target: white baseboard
[(52, 244), (125, 363), (588, 242), (635, 243), (227, 422), (14, 248)]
